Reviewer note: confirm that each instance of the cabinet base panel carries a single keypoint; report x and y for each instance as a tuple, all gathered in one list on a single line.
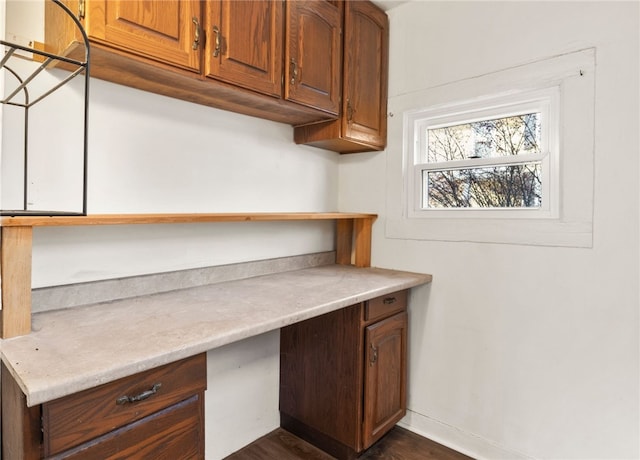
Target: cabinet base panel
[(116, 66), (317, 438), (329, 136)]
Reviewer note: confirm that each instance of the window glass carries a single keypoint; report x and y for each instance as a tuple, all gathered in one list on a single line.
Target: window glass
[(447, 183), (511, 186), (492, 155), (513, 135)]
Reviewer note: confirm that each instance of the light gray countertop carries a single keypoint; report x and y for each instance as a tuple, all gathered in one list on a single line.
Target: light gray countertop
[(78, 348)]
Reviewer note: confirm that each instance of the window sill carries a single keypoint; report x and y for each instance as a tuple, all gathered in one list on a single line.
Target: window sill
[(534, 232)]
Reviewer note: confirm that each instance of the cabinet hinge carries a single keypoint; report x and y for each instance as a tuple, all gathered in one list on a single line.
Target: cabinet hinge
[(81, 8)]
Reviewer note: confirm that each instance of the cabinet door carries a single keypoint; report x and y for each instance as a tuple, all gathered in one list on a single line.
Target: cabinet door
[(313, 57), (244, 44), (385, 376), (366, 72), (165, 30)]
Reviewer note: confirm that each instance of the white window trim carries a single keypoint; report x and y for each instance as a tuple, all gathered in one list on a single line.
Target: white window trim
[(545, 101), (575, 74)]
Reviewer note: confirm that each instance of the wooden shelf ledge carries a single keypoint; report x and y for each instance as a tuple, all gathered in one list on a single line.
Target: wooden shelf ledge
[(134, 219), (353, 246)]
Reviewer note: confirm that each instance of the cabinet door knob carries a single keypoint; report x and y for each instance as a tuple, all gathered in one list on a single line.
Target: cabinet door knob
[(196, 34), (216, 49)]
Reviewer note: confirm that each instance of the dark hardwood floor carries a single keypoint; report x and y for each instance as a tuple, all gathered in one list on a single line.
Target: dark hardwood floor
[(398, 444)]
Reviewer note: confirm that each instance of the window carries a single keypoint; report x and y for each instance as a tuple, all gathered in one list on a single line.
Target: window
[(553, 206), (493, 158)]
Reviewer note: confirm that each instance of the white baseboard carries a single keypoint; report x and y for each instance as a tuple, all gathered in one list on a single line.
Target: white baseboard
[(456, 439)]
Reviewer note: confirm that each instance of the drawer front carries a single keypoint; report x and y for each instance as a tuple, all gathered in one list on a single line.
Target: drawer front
[(384, 306), (77, 418), (175, 433)]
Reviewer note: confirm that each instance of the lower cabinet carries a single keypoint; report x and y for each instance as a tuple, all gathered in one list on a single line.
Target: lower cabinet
[(343, 375), (342, 387), (155, 414)]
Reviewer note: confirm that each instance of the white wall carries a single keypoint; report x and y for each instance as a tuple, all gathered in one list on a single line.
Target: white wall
[(520, 351), (150, 154)]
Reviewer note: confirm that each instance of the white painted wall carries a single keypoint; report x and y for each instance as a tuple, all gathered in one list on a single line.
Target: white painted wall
[(520, 351), (149, 153)]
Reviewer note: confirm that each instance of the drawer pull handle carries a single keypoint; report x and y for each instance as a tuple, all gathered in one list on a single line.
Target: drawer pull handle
[(389, 300), (141, 397)]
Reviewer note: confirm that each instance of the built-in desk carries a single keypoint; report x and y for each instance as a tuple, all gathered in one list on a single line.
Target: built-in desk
[(84, 347), (78, 348), (97, 349)]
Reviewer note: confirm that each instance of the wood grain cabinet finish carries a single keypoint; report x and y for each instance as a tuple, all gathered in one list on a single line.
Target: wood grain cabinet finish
[(343, 375), (245, 44), (250, 39), (163, 30), (222, 53), (313, 61), (385, 369), (156, 414), (362, 125)]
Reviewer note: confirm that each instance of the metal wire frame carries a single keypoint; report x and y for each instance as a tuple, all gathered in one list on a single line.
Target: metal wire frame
[(49, 58)]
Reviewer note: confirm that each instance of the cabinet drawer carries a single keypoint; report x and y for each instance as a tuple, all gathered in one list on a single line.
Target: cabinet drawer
[(74, 419), (386, 305), (175, 433)]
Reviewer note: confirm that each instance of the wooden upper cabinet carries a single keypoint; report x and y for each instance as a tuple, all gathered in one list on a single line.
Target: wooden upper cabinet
[(244, 44), (228, 54), (165, 30), (313, 60), (366, 74), (362, 125)]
